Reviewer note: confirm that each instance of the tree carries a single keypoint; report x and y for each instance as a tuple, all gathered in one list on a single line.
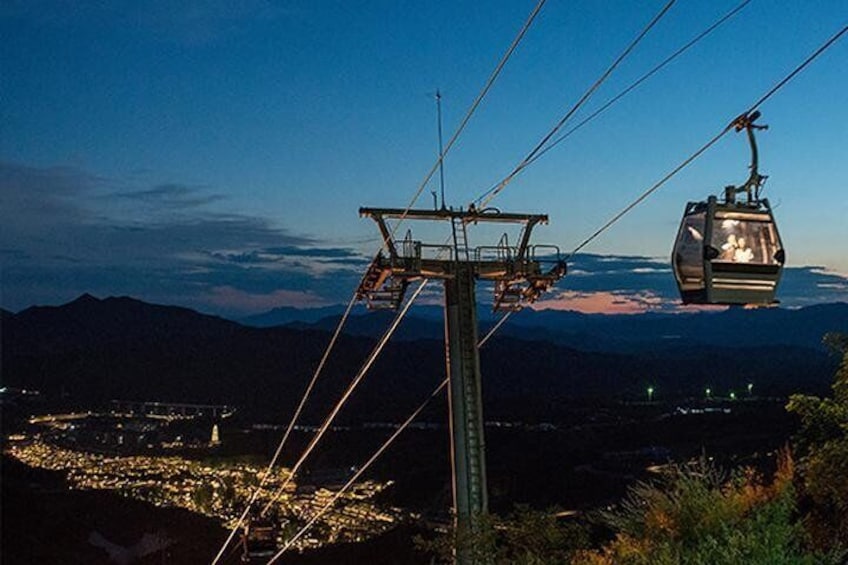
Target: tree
[(524, 537), (822, 447), (698, 516)]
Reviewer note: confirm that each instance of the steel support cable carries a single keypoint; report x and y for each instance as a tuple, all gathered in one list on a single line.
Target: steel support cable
[(484, 200), (711, 142), (540, 149), (491, 332), (240, 522), (378, 453), (651, 190), (360, 471), (351, 387), (641, 198), (289, 429), (228, 557), (642, 79), (315, 376), (489, 83), (798, 69), (469, 113), (409, 206), (692, 157)]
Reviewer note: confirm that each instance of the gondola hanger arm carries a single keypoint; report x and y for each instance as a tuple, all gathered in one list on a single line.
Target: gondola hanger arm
[(750, 187)]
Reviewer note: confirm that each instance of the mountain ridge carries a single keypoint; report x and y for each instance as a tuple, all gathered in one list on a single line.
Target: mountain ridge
[(97, 350), (624, 333)]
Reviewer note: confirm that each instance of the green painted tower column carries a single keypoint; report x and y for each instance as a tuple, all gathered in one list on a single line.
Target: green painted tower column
[(466, 406)]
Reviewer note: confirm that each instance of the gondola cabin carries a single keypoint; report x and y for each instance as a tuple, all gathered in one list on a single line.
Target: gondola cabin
[(259, 539), (728, 253)]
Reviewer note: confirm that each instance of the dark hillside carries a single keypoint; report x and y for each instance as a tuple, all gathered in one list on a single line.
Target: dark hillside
[(94, 350)]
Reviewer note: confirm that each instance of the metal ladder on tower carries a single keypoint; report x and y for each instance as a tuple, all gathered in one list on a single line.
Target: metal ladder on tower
[(472, 410), (460, 239)]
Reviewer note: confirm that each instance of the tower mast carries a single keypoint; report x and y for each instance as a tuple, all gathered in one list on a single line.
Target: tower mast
[(520, 277), (441, 149)]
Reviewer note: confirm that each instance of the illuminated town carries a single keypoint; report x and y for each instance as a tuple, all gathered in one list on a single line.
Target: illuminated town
[(214, 486)]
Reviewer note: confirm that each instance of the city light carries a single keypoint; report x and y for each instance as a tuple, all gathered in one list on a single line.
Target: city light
[(219, 488)]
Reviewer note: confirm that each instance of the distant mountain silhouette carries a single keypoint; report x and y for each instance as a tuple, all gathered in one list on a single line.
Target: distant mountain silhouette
[(326, 317), (415, 326), (95, 350), (287, 314), (89, 321), (735, 328)]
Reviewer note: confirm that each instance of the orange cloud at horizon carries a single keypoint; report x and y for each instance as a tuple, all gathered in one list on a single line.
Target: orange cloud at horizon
[(602, 302), (615, 302)]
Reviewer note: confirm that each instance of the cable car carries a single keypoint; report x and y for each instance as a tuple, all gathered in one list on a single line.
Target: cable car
[(730, 252), (259, 539)]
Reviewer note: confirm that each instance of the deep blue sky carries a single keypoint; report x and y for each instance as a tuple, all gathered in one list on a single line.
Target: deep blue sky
[(214, 154)]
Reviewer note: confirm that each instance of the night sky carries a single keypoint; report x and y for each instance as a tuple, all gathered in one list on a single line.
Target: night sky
[(215, 154)]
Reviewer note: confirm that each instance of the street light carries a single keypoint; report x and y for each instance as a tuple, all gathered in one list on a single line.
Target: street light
[(650, 393), (708, 392), (750, 388), (732, 395)]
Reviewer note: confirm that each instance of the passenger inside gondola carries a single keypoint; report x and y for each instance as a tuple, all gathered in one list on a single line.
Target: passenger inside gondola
[(740, 258), (743, 253), (728, 248), (747, 242)]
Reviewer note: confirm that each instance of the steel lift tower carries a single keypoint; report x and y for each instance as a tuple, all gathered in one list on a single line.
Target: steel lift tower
[(520, 274)]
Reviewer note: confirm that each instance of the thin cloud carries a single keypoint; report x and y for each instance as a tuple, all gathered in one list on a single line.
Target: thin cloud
[(173, 195), (65, 232), (329, 252), (234, 299), (626, 285)]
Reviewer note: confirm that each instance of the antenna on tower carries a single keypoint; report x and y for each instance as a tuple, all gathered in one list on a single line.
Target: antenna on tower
[(441, 150)]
